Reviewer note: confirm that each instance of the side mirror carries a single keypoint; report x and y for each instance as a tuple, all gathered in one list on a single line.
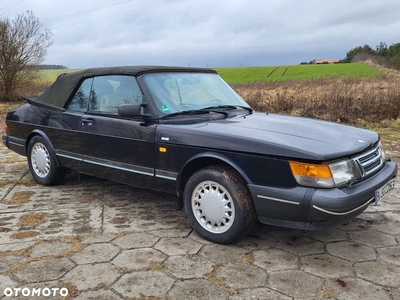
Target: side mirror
[(130, 110)]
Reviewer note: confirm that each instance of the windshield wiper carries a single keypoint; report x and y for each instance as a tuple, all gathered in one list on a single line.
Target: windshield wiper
[(249, 109), (195, 112), (187, 112), (206, 110)]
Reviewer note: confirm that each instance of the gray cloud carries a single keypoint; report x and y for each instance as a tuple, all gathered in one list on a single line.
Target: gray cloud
[(209, 33)]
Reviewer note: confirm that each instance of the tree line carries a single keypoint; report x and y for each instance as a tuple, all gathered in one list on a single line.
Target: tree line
[(388, 56), (51, 67)]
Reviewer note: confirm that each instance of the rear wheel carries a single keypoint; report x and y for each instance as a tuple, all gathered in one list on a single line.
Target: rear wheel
[(218, 204), (42, 162)]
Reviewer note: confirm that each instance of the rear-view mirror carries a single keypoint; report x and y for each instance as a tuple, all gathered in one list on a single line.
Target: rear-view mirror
[(129, 110)]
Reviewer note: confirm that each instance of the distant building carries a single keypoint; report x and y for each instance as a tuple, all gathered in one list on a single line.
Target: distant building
[(325, 61)]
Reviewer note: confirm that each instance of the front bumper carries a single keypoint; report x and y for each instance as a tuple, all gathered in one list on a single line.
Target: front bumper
[(313, 209)]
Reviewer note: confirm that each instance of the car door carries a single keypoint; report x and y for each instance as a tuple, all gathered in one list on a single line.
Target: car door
[(115, 148), (64, 127)]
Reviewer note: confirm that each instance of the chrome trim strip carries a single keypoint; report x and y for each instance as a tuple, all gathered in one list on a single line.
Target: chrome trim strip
[(16, 144), (111, 164), (278, 200), (166, 174), (128, 168), (343, 213), (69, 156), (165, 177)]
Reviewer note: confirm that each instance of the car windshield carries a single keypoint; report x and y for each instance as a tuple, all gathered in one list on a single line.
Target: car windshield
[(183, 92)]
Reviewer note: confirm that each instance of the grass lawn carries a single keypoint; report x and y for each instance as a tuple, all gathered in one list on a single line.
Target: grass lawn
[(273, 73), (297, 72), (51, 75)]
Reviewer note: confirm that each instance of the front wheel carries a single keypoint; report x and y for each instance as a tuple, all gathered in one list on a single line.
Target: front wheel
[(218, 204), (42, 162)]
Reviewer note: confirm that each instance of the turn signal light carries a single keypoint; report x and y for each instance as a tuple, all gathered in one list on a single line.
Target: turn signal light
[(310, 170), (7, 129)]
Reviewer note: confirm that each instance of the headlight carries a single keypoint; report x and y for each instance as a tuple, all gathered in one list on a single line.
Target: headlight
[(344, 172), (325, 176)]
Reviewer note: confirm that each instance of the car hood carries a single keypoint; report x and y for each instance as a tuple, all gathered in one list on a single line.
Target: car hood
[(272, 135)]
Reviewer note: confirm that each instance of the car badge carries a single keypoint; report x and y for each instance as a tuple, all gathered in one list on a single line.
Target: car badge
[(361, 141)]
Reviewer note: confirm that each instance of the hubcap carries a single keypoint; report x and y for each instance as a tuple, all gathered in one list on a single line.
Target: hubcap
[(213, 207), (40, 158)]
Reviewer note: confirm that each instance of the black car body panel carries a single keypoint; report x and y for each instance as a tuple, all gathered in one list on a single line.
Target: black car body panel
[(160, 150), (286, 136)]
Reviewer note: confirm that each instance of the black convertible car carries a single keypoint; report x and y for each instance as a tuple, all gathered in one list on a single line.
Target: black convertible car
[(185, 131)]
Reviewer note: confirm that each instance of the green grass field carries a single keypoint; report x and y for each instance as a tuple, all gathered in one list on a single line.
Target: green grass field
[(297, 72), (274, 73), (51, 75)]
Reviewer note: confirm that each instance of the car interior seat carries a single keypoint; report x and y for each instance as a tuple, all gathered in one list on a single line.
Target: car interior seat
[(111, 101), (101, 87)]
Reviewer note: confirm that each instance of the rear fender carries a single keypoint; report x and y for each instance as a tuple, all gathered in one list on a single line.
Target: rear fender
[(46, 138)]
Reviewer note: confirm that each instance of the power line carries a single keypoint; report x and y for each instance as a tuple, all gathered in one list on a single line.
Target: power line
[(82, 12), (11, 4), (109, 16)]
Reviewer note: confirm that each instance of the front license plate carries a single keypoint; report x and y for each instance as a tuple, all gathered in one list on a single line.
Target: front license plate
[(383, 191)]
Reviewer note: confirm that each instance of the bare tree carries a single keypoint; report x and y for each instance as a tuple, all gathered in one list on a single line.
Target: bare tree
[(23, 46)]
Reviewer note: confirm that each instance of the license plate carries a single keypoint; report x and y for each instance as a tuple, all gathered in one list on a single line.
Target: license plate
[(383, 191)]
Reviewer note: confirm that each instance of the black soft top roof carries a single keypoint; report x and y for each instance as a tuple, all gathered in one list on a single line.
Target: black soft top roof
[(59, 92)]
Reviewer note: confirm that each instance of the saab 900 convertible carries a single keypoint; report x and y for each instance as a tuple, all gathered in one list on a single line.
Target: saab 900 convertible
[(185, 131)]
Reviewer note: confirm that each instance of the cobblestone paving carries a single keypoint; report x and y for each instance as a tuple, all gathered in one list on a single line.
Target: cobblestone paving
[(102, 240)]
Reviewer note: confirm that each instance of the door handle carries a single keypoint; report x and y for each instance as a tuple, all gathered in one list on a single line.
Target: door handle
[(88, 121)]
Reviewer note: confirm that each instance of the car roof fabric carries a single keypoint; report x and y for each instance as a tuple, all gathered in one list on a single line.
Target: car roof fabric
[(59, 92)]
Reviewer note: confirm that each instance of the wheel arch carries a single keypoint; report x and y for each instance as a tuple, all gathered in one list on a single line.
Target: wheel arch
[(37, 132), (200, 161)]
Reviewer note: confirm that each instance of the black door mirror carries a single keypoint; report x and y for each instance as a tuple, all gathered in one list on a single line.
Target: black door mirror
[(129, 110)]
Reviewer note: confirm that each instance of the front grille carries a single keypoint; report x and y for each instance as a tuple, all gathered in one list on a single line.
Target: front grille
[(370, 162)]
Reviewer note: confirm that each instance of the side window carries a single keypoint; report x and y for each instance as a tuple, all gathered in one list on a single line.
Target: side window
[(109, 92), (80, 100)]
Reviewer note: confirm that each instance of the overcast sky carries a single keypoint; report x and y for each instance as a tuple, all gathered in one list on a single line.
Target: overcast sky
[(224, 33)]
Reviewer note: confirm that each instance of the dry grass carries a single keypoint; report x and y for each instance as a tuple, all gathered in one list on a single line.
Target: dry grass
[(249, 257), (76, 247), (213, 275), (6, 182), (32, 219), (34, 88), (20, 198), (372, 103), (27, 182), (341, 100), (86, 198), (24, 234)]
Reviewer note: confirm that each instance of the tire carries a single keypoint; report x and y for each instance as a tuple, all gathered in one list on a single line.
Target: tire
[(42, 162), (218, 204)]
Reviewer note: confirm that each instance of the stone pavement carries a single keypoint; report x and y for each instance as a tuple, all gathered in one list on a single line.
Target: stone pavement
[(96, 239)]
